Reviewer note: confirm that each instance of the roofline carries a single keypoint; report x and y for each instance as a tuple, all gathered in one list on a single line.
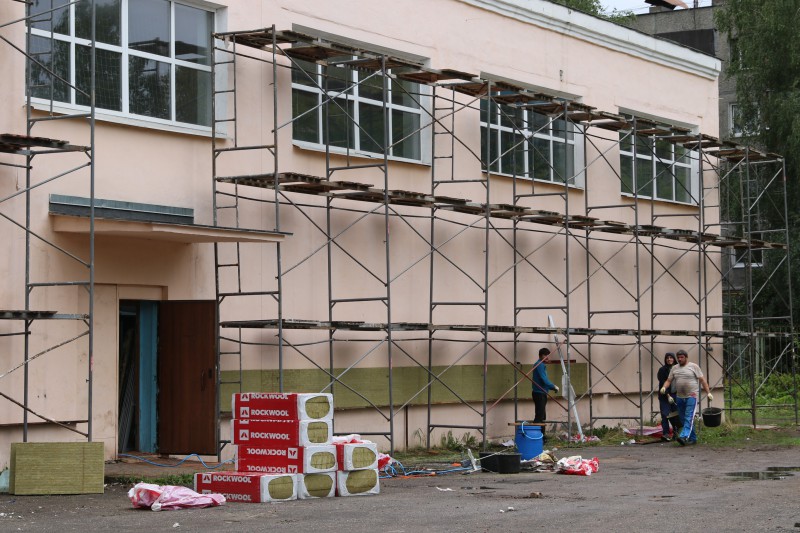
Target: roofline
[(560, 19)]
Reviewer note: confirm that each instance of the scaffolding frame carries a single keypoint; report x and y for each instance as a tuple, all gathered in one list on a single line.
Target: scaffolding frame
[(34, 145), (656, 248)]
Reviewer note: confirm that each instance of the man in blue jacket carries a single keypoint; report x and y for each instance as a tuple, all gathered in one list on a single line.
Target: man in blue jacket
[(541, 386)]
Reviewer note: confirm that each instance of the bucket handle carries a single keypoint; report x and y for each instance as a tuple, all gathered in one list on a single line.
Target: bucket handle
[(522, 427)]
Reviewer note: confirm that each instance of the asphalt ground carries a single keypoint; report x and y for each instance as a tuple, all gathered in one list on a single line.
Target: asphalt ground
[(657, 487)]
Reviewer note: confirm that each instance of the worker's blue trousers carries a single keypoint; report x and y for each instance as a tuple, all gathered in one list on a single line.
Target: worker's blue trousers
[(687, 408)]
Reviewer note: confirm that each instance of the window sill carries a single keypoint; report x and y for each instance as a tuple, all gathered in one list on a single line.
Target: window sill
[(559, 184), (649, 199), (313, 147), (126, 120)]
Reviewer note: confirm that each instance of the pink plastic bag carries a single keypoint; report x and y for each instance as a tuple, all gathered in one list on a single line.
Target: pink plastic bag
[(577, 466), (168, 497)]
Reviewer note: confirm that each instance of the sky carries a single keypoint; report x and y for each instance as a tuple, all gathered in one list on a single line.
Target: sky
[(639, 6)]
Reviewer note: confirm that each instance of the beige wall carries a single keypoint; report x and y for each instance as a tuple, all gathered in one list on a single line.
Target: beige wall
[(151, 165)]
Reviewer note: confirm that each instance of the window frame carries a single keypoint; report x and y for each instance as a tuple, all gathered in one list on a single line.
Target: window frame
[(651, 154), (353, 97), (527, 129), (124, 116)]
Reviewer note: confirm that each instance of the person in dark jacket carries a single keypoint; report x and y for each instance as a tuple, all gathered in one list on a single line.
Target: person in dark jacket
[(541, 386), (666, 402)]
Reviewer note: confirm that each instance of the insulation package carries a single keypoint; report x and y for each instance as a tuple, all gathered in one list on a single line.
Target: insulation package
[(282, 406), (357, 482), (247, 487), (357, 455), (286, 459), (322, 485), (281, 433)]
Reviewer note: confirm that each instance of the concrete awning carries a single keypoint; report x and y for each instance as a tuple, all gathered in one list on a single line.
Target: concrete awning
[(161, 231)]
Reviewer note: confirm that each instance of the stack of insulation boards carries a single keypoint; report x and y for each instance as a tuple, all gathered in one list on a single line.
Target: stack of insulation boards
[(284, 451)]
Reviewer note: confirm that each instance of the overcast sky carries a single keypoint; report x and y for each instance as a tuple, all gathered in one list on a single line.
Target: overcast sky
[(639, 6)]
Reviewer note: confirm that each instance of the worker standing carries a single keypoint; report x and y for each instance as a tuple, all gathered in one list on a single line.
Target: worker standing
[(687, 377), (541, 387)]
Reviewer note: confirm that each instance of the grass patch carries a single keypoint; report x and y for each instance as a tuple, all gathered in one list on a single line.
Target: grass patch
[(186, 480)]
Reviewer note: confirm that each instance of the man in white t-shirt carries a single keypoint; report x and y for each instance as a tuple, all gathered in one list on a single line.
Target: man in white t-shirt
[(688, 378)]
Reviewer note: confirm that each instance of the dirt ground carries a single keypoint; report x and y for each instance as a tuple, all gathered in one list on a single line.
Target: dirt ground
[(657, 487)]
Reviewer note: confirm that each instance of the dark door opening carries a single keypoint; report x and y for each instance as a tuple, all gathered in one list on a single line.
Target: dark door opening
[(167, 377)]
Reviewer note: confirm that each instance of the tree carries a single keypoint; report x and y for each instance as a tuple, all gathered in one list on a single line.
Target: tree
[(765, 61), (594, 7)]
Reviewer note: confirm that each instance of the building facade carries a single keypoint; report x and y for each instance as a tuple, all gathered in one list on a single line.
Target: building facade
[(389, 202)]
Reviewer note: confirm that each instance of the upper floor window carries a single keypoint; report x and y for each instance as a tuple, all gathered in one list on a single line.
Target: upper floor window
[(351, 117), (662, 170), (153, 57), (526, 144)]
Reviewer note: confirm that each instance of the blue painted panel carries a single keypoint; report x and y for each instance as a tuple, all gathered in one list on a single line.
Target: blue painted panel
[(148, 375)]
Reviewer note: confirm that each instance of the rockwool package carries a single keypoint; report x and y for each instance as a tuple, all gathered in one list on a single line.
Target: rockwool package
[(278, 433), (282, 406), (357, 455), (357, 482), (321, 485), (247, 487), (286, 459)]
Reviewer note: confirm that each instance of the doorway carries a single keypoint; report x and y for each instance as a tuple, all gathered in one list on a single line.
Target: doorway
[(167, 377)]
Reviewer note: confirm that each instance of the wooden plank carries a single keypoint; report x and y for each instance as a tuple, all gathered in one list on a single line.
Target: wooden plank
[(56, 468)]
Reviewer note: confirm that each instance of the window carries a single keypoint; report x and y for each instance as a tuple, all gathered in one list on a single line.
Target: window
[(352, 118), (529, 145), (663, 170), (153, 57)]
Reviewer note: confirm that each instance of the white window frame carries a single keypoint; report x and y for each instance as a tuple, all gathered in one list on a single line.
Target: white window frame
[(125, 116), (351, 95), (529, 131), (732, 128), (650, 154)]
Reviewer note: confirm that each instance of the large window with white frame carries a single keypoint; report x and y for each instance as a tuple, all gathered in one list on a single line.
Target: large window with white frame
[(351, 118), (657, 168), (520, 142), (153, 57)]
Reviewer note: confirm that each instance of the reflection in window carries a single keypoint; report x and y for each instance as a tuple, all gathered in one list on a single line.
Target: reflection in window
[(519, 142), (149, 87), (148, 26), (174, 86), (354, 117), (664, 170)]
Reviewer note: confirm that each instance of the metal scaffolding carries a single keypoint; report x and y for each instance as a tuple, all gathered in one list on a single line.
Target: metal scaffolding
[(515, 236), (41, 330)]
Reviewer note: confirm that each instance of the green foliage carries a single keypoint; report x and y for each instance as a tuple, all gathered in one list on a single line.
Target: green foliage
[(449, 442), (186, 480), (766, 64), (774, 398), (594, 7)]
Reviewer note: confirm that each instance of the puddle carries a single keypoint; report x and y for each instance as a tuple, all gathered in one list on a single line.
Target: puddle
[(783, 469), (478, 488), (771, 474)]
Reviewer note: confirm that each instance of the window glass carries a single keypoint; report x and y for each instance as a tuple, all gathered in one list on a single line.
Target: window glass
[(108, 21), (337, 126), (50, 15), (148, 26), (644, 177), (193, 29), (626, 175), (406, 135), (53, 56), (306, 126), (541, 159), (355, 110), (149, 87), (108, 78), (683, 187), (665, 181), (371, 123), (192, 96)]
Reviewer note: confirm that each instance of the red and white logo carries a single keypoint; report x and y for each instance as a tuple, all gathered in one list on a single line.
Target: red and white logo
[(292, 469), (292, 453), (244, 434), (245, 397), (244, 412), (206, 478)]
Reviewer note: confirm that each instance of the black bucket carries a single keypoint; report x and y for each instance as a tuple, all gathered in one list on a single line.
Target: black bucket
[(501, 463), (712, 417)]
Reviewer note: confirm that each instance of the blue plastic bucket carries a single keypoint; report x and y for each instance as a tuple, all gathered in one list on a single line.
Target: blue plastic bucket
[(529, 441)]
